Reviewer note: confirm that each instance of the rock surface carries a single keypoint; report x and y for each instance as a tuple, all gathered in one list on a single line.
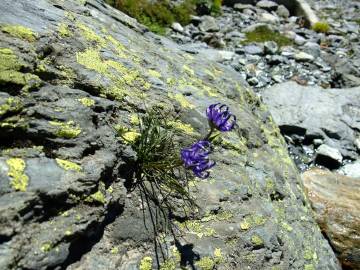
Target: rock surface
[(308, 114), (335, 200), (72, 70)]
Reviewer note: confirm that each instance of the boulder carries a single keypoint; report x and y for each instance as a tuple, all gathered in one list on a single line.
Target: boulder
[(332, 115), (267, 5), (73, 75), (335, 200)]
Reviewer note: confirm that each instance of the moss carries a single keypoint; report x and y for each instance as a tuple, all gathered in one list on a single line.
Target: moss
[(64, 30), (205, 263), (68, 130), (19, 31), (88, 102), (90, 35), (256, 240), (19, 180), (146, 263), (46, 247), (11, 105), (68, 165), (321, 27), (263, 34), (182, 101)]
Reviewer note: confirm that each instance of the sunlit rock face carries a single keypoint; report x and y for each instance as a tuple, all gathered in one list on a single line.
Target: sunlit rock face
[(70, 71), (335, 200)]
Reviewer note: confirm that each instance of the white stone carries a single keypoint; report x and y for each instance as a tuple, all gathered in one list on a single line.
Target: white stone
[(177, 27)]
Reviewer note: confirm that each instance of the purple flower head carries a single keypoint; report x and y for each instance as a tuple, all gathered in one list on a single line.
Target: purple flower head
[(196, 158), (220, 117)]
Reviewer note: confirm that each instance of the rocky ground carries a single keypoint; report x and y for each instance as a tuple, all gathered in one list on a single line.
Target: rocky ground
[(300, 54)]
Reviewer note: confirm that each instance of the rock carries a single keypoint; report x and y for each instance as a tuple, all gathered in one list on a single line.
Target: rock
[(299, 40), (312, 48), (74, 76), (241, 7), (208, 24), (282, 11), (177, 27), (328, 156), (268, 18), (267, 5), (303, 57), (271, 47), (335, 200), (351, 169), (253, 49), (331, 114)]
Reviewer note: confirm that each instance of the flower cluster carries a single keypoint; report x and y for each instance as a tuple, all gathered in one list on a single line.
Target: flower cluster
[(196, 157)]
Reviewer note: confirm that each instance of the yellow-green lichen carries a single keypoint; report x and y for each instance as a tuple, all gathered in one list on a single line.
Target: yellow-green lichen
[(218, 256), (128, 135), (19, 180), (9, 71), (90, 34), (245, 225), (46, 247), (88, 102), (98, 196), (224, 215), (254, 220), (182, 101), (256, 240), (205, 263), (188, 70), (68, 130), (12, 104), (64, 30), (195, 227), (125, 81), (134, 119), (146, 263), (19, 31), (186, 128), (309, 267), (154, 73), (286, 226), (114, 250), (68, 165)]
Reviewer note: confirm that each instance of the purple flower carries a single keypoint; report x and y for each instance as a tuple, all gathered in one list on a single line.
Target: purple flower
[(196, 158), (220, 117)]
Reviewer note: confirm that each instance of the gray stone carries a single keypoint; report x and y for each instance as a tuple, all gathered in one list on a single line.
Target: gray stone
[(267, 5), (271, 47), (299, 40), (282, 11), (208, 24), (268, 18), (254, 49), (312, 48), (329, 152), (303, 57), (351, 169), (241, 7), (177, 27), (328, 114)]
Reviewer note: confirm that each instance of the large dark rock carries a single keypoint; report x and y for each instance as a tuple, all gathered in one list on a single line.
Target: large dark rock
[(70, 71)]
